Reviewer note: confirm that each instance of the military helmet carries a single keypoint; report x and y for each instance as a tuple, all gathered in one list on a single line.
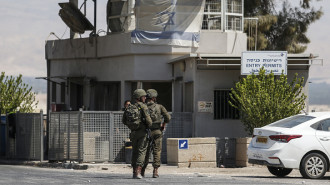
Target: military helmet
[(138, 93), (152, 93)]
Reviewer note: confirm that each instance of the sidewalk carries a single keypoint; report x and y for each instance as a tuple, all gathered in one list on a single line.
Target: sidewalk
[(122, 168)]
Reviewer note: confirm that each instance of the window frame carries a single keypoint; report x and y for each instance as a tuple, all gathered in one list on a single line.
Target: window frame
[(231, 19), (235, 15), (210, 14)]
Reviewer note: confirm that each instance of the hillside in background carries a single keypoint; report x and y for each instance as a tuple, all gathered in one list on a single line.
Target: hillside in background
[(38, 85)]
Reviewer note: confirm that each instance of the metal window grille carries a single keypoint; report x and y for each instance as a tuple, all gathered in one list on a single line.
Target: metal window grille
[(212, 15), (222, 109), (234, 6), (234, 23), (234, 15)]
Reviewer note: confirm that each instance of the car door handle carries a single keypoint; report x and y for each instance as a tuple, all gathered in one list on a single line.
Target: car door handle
[(324, 139)]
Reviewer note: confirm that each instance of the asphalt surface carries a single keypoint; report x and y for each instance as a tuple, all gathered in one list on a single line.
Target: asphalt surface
[(113, 174)]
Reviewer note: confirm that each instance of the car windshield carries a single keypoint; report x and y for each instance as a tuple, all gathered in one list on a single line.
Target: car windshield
[(292, 121)]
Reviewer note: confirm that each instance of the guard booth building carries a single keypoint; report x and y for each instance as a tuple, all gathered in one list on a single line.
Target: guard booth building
[(193, 65)]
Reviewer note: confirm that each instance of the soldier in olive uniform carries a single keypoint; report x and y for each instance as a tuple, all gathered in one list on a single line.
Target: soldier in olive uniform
[(139, 133), (157, 113)]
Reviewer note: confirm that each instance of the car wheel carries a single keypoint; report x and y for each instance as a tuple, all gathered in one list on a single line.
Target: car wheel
[(279, 172), (313, 166)]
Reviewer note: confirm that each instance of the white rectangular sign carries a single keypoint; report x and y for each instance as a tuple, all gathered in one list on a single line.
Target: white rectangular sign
[(275, 61), (205, 106)]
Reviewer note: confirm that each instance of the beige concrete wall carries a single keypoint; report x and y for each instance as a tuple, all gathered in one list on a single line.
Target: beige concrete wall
[(201, 152), (242, 145)]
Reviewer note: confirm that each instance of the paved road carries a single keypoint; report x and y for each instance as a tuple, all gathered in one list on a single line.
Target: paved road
[(34, 175)]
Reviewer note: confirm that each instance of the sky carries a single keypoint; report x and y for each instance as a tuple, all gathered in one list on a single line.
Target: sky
[(27, 24)]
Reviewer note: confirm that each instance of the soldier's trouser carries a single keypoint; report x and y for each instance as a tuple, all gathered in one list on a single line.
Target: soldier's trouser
[(139, 148), (157, 137)]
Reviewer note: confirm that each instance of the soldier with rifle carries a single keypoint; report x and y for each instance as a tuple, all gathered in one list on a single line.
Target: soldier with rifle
[(137, 118), (157, 113)]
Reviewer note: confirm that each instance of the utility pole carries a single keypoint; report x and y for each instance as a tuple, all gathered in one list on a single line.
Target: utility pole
[(73, 34)]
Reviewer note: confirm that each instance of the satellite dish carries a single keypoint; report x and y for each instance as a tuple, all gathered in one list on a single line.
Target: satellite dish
[(115, 9), (74, 19)]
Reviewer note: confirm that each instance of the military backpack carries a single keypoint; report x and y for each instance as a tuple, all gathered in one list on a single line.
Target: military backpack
[(132, 114), (155, 113)]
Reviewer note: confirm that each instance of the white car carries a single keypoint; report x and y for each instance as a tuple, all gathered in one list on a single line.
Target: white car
[(297, 142)]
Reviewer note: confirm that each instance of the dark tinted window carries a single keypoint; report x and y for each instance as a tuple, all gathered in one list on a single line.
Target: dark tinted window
[(316, 126), (292, 121), (323, 125), (326, 125)]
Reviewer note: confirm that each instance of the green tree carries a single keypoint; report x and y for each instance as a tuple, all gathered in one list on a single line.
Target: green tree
[(15, 95), (266, 98), (280, 28)]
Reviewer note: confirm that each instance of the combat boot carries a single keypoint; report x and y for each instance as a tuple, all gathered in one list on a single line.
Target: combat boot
[(134, 173), (155, 173), (138, 173), (143, 170)]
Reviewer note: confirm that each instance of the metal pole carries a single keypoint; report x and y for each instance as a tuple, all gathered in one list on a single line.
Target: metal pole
[(256, 35), (249, 35), (94, 17), (7, 137), (80, 135), (223, 16), (48, 107), (250, 30), (85, 7), (75, 3), (111, 123), (69, 139), (41, 136)]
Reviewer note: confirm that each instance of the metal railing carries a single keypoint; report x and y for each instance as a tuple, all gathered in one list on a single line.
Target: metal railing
[(65, 136), (94, 136)]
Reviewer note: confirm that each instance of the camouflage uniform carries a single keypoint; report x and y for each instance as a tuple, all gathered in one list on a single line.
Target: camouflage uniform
[(157, 113), (139, 138), (156, 133)]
